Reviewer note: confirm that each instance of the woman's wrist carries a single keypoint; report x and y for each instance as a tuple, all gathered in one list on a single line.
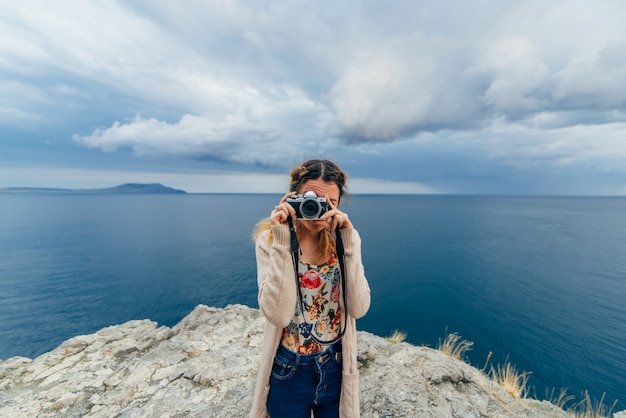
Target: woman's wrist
[(347, 235), (281, 234)]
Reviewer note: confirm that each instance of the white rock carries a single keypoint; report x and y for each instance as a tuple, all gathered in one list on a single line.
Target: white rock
[(205, 366)]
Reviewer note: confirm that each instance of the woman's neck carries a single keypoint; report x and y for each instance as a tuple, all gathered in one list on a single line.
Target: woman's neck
[(306, 235), (310, 249)]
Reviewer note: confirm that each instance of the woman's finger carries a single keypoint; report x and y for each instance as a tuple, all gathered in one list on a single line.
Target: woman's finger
[(329, 202), (283, 210), (285, 197), (278, 215)]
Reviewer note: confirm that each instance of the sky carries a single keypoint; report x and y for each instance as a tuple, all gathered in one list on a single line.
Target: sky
[(437, 97)]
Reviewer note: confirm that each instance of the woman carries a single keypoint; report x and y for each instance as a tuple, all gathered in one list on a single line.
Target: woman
[(308, 362)]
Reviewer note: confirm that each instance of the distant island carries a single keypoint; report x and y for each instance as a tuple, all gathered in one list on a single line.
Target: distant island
[(128, 188)]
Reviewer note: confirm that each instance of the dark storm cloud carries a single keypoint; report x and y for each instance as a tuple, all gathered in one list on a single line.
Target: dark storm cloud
[(526, 89)]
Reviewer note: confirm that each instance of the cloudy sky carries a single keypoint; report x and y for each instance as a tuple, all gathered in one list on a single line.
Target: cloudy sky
[(446, 96)]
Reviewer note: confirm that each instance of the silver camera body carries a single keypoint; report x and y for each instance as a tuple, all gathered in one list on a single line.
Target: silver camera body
[(309, 206)]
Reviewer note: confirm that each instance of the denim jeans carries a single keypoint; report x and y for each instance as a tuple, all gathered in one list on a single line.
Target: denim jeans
[(301, 383)]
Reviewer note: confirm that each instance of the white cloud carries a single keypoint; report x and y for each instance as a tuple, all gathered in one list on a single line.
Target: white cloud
[(532, 85), (596, 82), (254, 136), (12, 113), (516, 74), (382, 95), (580, 147), (191, 135)]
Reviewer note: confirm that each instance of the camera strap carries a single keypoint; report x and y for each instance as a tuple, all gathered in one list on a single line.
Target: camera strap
[(295, 247)]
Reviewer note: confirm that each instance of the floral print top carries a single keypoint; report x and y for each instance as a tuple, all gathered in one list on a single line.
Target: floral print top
[(320, 287)]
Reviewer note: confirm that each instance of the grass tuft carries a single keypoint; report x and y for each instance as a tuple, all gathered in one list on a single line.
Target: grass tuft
[(587, 408), (516, 383), (454, 346), (396, 337), (560, 400), (511, 380)]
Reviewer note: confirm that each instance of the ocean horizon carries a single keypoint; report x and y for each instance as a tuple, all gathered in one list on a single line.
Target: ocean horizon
[(538, 281)]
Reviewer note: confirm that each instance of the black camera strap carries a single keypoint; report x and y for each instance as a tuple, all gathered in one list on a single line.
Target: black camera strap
[(341, 256)]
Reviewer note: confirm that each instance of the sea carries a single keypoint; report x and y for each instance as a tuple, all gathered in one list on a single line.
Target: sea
[(536, 282)]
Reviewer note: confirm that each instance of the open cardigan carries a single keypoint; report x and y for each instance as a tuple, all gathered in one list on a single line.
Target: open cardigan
[(277, 300)]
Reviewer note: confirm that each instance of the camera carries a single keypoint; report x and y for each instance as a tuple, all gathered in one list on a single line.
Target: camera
[(309, 206)]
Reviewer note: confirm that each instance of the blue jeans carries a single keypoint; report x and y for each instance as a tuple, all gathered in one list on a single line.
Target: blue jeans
[(301, 383)]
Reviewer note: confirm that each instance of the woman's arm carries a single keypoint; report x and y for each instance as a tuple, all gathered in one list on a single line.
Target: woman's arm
[(276, 277), (357, 286)]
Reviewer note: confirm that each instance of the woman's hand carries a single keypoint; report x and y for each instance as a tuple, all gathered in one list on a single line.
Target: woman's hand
[(283, 211), (335, 217)]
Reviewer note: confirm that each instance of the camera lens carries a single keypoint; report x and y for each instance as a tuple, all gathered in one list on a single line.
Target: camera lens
[(310, 209)]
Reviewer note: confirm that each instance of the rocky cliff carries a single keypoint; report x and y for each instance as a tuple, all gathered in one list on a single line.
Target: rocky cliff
[(206, 365)]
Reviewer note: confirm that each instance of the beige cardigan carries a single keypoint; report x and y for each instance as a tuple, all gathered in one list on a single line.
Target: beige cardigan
[(277, 300)]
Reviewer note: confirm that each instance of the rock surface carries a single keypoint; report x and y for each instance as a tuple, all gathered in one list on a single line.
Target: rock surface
[(205, 366)]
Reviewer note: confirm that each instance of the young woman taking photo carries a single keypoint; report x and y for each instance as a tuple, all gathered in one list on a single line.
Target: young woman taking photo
[(312, 288)]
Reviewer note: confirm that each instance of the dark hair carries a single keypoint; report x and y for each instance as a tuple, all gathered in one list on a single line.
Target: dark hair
[(310, 170), (318, 169)]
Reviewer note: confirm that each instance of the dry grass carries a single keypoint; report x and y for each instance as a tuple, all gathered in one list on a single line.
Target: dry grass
[(454, 346), (396, 337), (561, 400), (587, 408), (516, 383), (506, 376), (511, 380)]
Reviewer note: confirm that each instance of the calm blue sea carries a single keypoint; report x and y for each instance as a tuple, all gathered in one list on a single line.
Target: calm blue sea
[(540, 281)]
